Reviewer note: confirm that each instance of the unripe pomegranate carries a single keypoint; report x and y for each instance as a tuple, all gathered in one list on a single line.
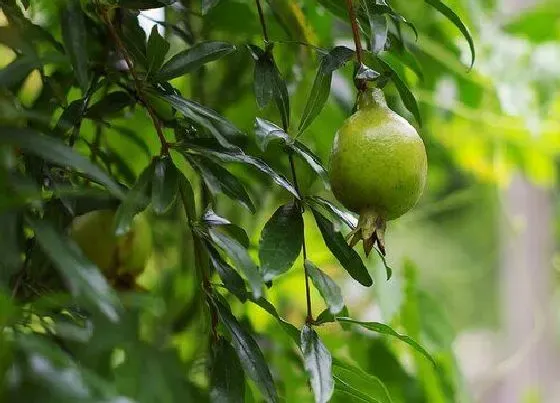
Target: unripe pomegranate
[(378, 168)]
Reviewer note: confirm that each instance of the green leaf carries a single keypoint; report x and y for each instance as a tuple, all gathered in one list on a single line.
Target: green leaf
[(134, 137), (318, 362), (74, 36), (237, 155), (221, 128), (322, 84), (109, 105), (240, 257), (348, 257), (387, 330), (281, 241), (136, 200), (268, 83), (82, 276), (14, 73), (58, 153), (227, 381), (164, 184), (134, 38), (290, 329), (219, 180), (404, 92), (207, 5), (231, 279), (155, 52), (193, 58), (454, 18), (329, 290), (267, 131), (379, 29), (144, 4), (10, 248), (344, 216), (358, 386), (249, 354)]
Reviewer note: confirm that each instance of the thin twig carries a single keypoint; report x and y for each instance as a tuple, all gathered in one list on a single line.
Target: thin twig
[(137, 83), (263, 22), (309, 317)]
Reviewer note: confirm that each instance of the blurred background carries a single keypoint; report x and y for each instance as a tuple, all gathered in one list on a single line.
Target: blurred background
[(480, 250)]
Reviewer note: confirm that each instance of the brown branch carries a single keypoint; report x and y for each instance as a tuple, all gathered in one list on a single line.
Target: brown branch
[(361, 85), (137, 82)]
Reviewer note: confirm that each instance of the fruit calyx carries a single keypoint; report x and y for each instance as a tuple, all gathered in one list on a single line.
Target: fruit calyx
[(370, 230), (372, 98)]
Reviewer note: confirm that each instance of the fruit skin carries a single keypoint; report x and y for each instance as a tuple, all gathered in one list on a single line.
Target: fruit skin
[(378, 166), (123, 256)]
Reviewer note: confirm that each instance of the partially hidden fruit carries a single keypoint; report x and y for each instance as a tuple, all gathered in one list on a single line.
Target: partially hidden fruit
[(122, 257), (378, 168)]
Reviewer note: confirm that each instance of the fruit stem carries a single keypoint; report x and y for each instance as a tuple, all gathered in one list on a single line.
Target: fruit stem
[(361, 85)]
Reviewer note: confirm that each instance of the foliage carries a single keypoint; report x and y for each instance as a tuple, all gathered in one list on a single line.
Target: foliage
[(201, 122)]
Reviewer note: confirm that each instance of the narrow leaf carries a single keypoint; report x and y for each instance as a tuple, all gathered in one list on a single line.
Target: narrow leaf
[(155, 52), (454, 18), (344, 216), (193, 58), (249, 354), (227, 381), (387, 330), (318, 362), (220, 180), (353, 383), (240, 257), (379, 29), (82, 276), (231, 279), (312, 160), (404, 92), (329, 290), (135, 201), (164, 184), (58, 153), (281, 241), (75, 41), (348, 257), (267, 131)]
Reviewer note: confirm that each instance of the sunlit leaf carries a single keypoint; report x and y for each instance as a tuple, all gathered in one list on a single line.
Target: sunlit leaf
[(353, 384)]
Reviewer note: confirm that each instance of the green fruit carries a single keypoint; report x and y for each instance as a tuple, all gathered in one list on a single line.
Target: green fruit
[(378, 167), (115, 256)]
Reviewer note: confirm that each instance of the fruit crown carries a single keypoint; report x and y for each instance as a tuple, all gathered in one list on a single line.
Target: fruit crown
[(370, 98)]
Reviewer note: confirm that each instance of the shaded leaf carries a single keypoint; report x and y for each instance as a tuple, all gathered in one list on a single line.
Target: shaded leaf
[(387, 330), (240, 257), (281, 241), (318, 362), (14, 73), (155, 52), (267, 131), (136, 200), (55, 151), (164, 184), (10, 249), (348, 257), (227, 381), (144, 4), (109, 105), (193, 58), (454, 18), (207, 5), (312, 161), (249, 353), (329, 290), (82, 276), (231, 279), (74, 36), (220, 180)]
